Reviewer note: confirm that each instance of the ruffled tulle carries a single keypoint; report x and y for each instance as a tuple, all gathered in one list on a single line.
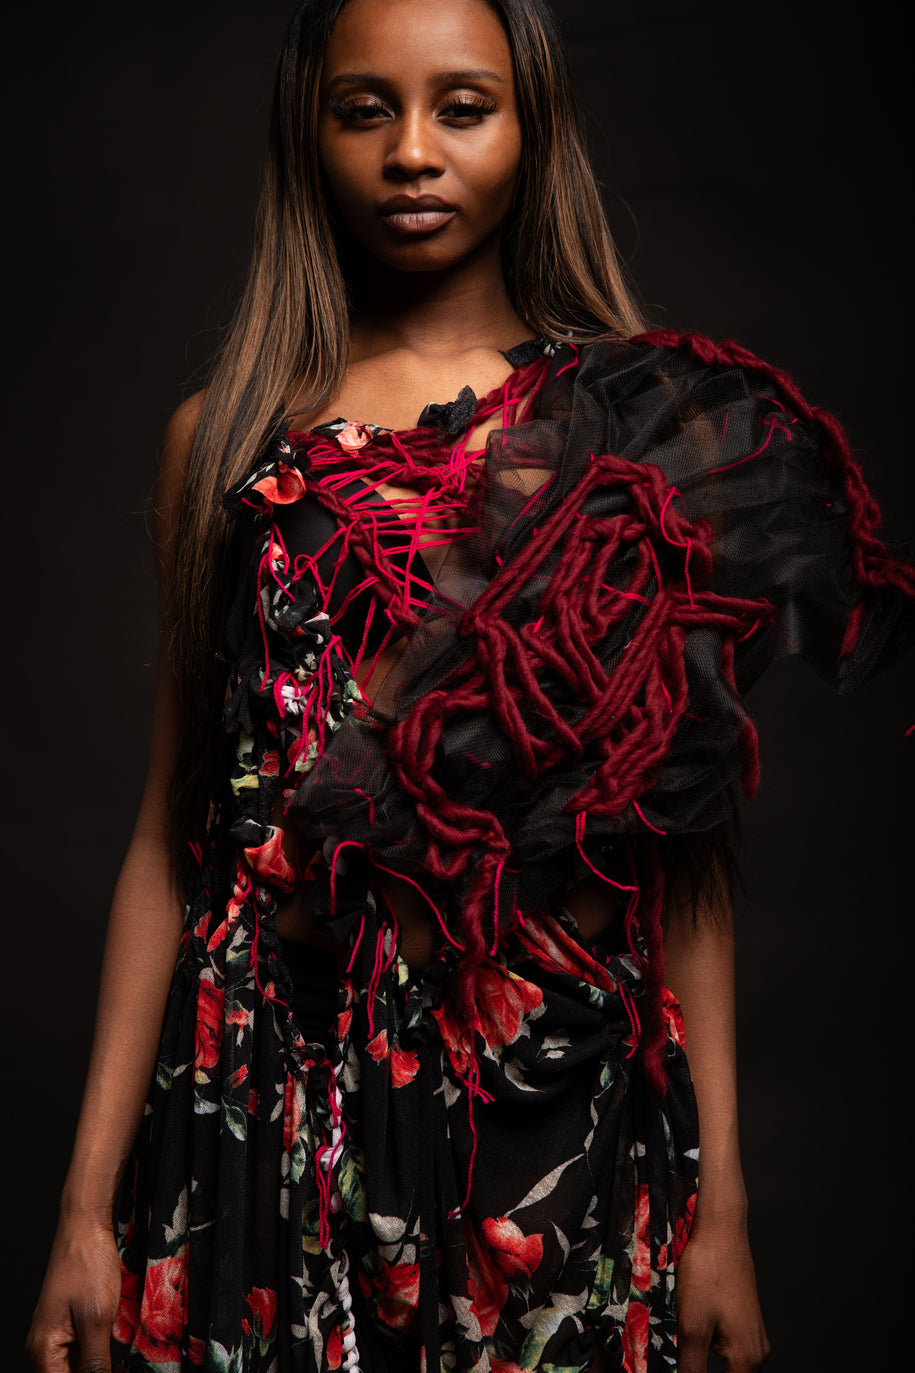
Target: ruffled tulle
[(744, 509)]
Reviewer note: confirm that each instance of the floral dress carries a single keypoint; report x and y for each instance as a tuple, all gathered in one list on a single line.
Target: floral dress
[(491, 1164)]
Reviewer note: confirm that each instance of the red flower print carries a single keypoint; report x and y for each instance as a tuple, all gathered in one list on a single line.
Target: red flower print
[(196, 1351), (210, 1019), (283, 488), (218, 936), (128, 1313), (262, 1301), (292, 1113), (159, 1334), (269, 862), (398, 1294), (556, 951), (456, 1037), (635, 1339), (515, 1253), (353, 436), (674, 1017), (404, 1066), (503, 1001), (641, 1240), (335, 1348), (488, 1288), (270, 763), (344, 1021), (684, 1226)]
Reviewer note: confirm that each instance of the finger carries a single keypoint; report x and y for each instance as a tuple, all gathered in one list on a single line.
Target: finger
[(48, 1351), (94, 1333), (748, 1359), (93, 1361)]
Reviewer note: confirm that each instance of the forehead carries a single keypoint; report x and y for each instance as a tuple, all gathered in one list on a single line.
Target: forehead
[(406, 38)]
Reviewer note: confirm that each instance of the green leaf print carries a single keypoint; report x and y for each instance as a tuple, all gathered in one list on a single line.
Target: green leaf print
[(236, 1119), (351, 1188)]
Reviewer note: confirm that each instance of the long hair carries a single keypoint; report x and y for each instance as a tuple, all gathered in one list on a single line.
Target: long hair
[(290, 332)]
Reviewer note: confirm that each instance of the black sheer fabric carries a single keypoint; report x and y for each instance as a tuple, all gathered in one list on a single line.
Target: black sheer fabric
[(492, 1164), (779, 537)]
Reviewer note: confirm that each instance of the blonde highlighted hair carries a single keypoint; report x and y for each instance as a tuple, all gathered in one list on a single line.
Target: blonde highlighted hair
[(290, 333)]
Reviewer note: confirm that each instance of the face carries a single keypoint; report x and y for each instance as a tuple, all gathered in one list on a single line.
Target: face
[(418, 129)]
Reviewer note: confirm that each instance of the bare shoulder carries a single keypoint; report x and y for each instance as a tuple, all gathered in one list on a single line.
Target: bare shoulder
[(177, 443), (178, 439)]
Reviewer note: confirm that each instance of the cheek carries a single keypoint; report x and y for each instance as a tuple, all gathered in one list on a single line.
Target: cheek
[(499, 166), (344, 174), (495, 185)]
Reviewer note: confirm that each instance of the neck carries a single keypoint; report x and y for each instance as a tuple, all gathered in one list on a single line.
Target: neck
[(434, 313)]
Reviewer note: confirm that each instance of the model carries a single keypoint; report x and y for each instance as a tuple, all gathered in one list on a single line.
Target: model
[(464, 576)]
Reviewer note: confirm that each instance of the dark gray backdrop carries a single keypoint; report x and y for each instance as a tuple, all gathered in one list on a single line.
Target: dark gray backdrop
[(756, 180)]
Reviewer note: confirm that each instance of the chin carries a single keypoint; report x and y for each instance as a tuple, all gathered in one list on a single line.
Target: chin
[(415, 260), (429, 255)]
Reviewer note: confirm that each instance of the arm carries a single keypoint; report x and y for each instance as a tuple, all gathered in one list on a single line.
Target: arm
[(80, 1295), (717, 1303)]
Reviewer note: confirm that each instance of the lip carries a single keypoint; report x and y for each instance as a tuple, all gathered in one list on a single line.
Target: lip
[(421, 214)]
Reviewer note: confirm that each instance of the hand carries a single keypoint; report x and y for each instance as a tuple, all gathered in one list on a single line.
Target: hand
[(717, 1304), (71, 1327)]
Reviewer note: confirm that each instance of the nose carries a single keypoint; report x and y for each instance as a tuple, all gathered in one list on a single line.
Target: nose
[(414, 149)]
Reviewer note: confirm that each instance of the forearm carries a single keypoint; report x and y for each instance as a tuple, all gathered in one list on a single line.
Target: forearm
[(717, 1302), (79, 1298), (699, 970), (142, 941)]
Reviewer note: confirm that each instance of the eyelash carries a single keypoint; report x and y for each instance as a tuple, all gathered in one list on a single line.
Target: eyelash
[(362, 112)]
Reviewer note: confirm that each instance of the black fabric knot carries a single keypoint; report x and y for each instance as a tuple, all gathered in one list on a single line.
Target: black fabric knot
[(247, 831), (454, 417), (529, 351)]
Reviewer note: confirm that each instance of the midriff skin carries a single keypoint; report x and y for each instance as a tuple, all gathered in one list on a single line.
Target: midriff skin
[(591, 903)]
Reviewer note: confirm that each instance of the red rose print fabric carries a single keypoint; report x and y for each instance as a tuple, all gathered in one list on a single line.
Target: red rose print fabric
[(489, 1166)]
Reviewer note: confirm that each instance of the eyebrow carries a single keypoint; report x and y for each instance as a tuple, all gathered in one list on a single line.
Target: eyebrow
[(455, 78)]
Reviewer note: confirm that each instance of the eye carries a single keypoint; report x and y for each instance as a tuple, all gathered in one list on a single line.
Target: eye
[(357, 111), (468, 109)]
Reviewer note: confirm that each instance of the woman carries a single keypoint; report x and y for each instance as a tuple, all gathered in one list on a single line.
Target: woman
[(476, 694)]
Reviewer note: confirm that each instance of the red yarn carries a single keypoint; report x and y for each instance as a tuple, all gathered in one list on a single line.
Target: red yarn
[(632, 712), (873, 566), (411, 458), (627, 715)]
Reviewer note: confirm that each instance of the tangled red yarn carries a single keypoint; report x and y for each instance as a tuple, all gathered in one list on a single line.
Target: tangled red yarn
[(623, 708), (632, 711), (873, 566)]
